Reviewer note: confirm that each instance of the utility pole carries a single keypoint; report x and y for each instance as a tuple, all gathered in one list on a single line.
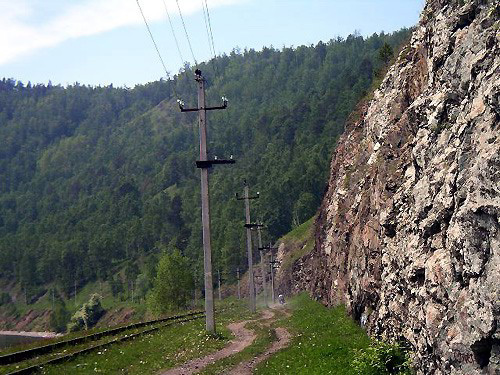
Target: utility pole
[(204, 164), (238, 276), (218, 273), (272, 264), (195, 301), (133, 291), (249, 226), (262, 265), (75, 292)]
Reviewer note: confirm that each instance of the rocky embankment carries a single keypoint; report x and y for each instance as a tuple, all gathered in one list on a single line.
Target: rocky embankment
[(408, 234)]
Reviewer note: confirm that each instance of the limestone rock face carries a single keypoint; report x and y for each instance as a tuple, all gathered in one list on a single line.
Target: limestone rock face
[(408, 234)]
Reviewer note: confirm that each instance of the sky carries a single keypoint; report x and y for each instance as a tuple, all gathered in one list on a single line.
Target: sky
[(102, 42)]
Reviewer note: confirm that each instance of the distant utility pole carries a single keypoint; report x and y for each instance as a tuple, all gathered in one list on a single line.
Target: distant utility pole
[(218, 272), (75, 291), (204, 164), (249, 226), (272, 264), (262, 265), (238, 276), (195, 301)]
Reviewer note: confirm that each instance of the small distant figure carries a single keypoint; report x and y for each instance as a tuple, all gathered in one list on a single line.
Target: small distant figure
[(281, 299)]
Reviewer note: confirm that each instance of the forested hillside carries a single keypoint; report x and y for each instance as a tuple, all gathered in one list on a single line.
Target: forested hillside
[(94, 178)]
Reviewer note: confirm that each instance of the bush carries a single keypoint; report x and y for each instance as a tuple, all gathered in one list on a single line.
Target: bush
[(173, 285), (5, 298), (116, 286), (88, 315), (382, 358), (59, 317)]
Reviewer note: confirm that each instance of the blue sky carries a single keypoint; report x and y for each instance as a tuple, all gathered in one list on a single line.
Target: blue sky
[(105, 41)]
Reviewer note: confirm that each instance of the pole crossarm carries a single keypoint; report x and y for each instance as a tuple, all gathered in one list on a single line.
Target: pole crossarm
[(210, 163), (238, 197), (203, 109), (253, 225), (268, 248)]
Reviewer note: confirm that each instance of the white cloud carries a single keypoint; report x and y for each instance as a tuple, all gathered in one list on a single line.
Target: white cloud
[(19, 35)]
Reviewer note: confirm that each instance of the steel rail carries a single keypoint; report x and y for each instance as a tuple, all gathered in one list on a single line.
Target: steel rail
[(34, 368), (45, 349)]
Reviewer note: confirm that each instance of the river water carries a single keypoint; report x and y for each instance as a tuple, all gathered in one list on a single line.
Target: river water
[(7, 340)]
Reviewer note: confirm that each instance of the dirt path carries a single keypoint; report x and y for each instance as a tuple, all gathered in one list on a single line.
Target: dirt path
[(243, 338), (246, 368)]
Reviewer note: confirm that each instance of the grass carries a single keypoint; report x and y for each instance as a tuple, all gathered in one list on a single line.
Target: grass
[(156, 351), (323, 343), (300, 241), (299, 233)]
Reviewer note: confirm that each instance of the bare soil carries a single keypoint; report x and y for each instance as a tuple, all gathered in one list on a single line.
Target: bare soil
[(246, 368), (243, 338)]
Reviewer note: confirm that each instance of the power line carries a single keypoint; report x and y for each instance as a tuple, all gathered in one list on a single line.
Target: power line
[(210, 28), (156, 48), (173, 33), (187, 35), (206, 26), (153, 39)]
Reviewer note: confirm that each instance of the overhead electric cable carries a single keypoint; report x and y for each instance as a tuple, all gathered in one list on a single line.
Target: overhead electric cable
[(173, 33), (210, 39), (210, 28), (206, 26), (152, 38), (156, 48), (187, 35)]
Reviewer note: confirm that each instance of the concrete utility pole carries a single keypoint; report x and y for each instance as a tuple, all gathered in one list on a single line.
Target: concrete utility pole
[(272, 264), (238, 276), (195, 297), (262, 265), (204, 164), (218, 273), (249, 226)]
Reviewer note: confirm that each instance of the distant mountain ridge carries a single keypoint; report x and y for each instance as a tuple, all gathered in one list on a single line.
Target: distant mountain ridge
[(94, 177)]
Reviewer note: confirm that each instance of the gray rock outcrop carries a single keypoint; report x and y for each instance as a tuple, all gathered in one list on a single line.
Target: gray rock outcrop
[(408, 235)]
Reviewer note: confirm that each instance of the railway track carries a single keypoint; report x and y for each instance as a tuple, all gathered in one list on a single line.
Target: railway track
[(51, 354)]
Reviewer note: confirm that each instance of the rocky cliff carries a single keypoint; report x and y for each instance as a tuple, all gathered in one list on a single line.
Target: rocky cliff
[(408, 234)]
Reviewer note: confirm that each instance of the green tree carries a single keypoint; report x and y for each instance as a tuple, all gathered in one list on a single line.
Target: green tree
[(173, 285), (385, 53)]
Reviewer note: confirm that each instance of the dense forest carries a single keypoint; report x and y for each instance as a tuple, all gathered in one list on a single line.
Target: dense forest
[(93, 179)]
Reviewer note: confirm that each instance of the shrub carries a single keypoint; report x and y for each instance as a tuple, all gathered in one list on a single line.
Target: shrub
[(382, 358), (5, 298), (173, 285), (88, 315), (59, 317)]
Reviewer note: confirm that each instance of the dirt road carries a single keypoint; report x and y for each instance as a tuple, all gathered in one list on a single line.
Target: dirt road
[(243, 338)]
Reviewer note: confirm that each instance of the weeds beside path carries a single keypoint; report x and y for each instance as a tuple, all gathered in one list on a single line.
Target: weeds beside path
[(323, 341)]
